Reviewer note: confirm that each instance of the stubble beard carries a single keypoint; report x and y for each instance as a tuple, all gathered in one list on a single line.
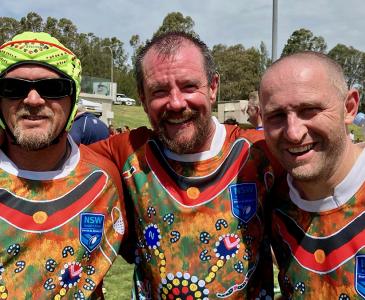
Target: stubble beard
[(327, 165), (33, 139)]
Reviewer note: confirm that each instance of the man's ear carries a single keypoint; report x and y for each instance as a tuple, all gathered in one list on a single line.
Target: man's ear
[(351, 106), (214, 87)]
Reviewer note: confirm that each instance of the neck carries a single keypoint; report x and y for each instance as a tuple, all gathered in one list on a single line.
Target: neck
[(320, 188), (48, 159)]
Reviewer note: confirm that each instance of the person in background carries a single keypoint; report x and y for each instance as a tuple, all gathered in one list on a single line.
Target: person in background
[(61, 218), (318, 227), (231, 121), (87, 128), (352, 136), (196, 188), (112, 130), (253, 110)]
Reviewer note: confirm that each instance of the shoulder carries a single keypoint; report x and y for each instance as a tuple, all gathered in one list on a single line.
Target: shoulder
[(258, 146), (89, 156)]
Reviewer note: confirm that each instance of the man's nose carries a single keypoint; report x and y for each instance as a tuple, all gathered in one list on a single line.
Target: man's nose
[(177, 101), (295, 128), (33, 98)]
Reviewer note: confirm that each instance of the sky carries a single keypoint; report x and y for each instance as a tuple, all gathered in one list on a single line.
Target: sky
[(229, 22)]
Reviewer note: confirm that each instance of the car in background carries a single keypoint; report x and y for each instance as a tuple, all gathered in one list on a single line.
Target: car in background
[(95, 108), (124, 100)]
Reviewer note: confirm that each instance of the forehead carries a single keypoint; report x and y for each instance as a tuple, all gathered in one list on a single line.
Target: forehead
[(32, 72), (298, 80), (187, 58)]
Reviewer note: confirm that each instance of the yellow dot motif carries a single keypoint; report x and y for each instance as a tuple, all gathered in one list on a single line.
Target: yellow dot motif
[(185, 283), (220, 263), (320, 256), (63, 292), (193, 192), (193, 287), (176, 282), (40, 217), (4, 292), (198, 294)]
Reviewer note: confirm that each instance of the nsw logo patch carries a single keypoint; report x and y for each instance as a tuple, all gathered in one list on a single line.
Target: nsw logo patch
[(360, 275), (91, 230), (243, 200)]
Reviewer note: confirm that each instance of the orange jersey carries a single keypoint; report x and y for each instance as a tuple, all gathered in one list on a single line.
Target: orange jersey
[(200, 219), (320, 245), (60, 230)]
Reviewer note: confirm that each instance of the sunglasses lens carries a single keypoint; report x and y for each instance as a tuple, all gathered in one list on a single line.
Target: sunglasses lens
[(13, 88), (52, 88)]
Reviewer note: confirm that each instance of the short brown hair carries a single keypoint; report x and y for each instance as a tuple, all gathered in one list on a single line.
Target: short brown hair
[(167, 44)]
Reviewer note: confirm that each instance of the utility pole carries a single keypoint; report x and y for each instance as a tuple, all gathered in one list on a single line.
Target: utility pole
[(111, 67), (274, 55)]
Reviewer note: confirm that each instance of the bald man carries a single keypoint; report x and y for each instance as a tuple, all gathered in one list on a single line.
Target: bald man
[(318, 228)]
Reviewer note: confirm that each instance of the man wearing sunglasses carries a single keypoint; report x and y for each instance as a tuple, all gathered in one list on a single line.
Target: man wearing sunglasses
[(61, 218)]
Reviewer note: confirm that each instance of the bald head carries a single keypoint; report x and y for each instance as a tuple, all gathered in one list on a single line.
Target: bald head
[(306, 107), (332, 71)]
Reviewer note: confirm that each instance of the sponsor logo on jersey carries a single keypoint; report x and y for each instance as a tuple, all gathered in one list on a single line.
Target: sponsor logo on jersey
[(243, 200), (91, 230), (360, 275)]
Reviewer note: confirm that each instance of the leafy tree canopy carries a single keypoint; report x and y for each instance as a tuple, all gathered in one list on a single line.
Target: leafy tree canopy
[(176, 21), (302, 40)]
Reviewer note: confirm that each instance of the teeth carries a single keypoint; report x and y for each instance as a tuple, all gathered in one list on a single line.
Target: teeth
[(300, 149), (177, 121)]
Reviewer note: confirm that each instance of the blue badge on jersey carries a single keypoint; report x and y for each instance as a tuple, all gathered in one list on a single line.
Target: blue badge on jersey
[(360, 275), (243, 200), (91, 230)]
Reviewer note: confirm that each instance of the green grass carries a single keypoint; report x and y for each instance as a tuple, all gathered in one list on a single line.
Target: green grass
[(358, 132), (118, 281), (132, 116)]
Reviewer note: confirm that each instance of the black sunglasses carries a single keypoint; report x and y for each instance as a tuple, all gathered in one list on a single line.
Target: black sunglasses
[(50, 88)]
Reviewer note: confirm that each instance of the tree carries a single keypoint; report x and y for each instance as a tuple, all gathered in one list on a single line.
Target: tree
[(136, 44), (265, 61), (176, 21), (32, 22), (239, 70), (9, 27), (352, 62), (303, 40)]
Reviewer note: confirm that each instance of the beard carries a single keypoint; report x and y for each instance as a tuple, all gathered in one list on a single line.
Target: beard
[(179, 143), (33, 139)]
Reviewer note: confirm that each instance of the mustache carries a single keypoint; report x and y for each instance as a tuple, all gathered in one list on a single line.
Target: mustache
[(33, 111), (185, 114)]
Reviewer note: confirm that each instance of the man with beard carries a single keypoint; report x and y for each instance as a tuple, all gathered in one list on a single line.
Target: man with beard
[(196, 188), (318, 229), (61, 215)]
